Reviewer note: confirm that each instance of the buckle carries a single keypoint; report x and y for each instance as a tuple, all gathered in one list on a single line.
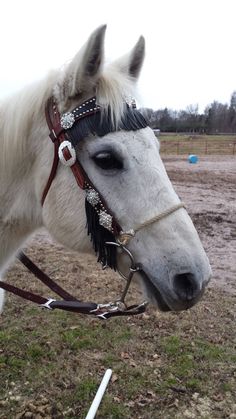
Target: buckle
[(67, 154), (118, 308), (48, 304)]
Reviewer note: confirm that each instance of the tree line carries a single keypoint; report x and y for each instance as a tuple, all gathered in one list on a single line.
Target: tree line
[(216, 118)]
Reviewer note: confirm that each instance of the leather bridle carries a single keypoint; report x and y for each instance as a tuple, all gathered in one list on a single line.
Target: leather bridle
[(65, 153)]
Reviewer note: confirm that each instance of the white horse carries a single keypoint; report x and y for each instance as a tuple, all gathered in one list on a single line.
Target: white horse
[(124, 165)]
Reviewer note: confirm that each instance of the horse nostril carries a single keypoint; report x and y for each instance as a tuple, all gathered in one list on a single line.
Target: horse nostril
[(186, 286)]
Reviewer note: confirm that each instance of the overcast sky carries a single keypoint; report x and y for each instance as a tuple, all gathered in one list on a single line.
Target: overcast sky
[(190, 59)]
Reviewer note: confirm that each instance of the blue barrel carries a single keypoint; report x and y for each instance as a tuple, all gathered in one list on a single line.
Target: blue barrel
[(192, 158)]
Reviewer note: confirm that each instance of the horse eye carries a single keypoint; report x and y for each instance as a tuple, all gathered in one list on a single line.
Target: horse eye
[(107, 161)]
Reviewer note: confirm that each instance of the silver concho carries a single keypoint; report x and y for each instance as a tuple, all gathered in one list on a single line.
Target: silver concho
[(130, 101), (92, 197), (105, 220), (67, 120)]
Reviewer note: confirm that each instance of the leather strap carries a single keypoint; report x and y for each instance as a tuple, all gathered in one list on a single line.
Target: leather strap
[(74, 305), (22, 293), (69, 303), (52, 173), (58, 135), (44, 277)]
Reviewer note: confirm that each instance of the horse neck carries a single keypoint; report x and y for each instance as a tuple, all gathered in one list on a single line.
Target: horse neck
[(21, 126)]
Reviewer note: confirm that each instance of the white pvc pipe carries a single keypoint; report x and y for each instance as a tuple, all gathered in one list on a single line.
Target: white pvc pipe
[(99, 395)]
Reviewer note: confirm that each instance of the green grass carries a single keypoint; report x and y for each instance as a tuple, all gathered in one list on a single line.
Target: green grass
[(86, 390), (112, 410), (154, 361), (87, 338), (191, 364), (35, 352)]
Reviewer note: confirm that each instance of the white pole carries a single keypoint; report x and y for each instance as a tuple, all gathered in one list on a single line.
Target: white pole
[(99, 395)]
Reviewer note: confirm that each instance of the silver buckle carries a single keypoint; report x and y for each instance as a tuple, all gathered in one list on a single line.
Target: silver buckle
[(72, 160), (108, 308)]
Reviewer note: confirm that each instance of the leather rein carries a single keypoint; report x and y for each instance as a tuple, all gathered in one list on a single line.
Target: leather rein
[(65, 153)]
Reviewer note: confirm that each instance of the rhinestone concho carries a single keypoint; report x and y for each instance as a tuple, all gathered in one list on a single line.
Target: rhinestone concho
[(105, 220), (67, 120), (92, 197)]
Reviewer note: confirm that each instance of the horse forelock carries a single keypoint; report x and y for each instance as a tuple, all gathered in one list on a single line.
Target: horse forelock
[(113, 89)]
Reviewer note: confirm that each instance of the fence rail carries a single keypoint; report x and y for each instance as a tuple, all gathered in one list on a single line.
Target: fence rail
[(198, 146)]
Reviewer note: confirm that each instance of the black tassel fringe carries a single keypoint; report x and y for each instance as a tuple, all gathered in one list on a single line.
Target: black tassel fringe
[(99, 236)]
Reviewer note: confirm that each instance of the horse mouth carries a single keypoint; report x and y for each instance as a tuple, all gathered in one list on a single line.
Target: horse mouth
[(173, 304), (153, 293)]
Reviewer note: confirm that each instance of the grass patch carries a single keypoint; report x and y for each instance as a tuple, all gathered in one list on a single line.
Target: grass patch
[(112, 410), (86, 390), (87, 338), (13, 363), (193, 363), (55, 363), (210, 352), (35, 352), (135, 382)]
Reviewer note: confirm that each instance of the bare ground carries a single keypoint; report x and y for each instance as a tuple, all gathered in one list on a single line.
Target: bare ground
[(164, 365)]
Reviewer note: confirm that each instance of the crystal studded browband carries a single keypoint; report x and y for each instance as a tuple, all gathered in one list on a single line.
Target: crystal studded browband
[(85, 109)]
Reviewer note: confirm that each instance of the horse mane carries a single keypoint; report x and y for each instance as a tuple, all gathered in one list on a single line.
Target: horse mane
[(18, 114)]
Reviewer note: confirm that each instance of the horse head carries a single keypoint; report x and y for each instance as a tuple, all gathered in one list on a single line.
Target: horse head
[(119, 153)]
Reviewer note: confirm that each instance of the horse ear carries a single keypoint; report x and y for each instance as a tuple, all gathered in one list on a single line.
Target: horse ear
[(132, 62), (137, 57), (83, 72)]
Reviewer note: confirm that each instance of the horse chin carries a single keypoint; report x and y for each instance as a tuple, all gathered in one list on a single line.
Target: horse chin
[(153, 293)]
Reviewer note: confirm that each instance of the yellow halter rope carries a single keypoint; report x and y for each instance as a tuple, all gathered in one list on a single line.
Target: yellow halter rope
[(124, 237)]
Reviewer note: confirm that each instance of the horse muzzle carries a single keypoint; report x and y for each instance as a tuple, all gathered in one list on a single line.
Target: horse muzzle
[(181, 292)]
